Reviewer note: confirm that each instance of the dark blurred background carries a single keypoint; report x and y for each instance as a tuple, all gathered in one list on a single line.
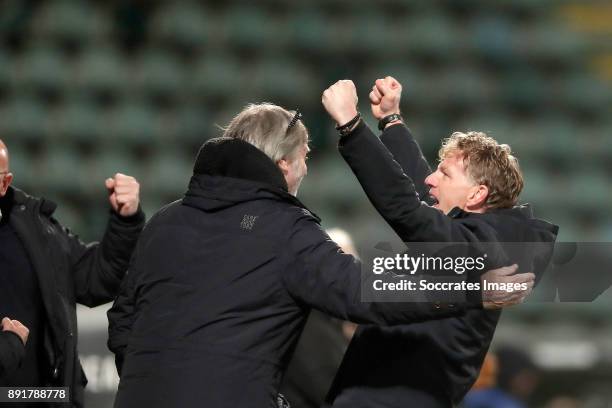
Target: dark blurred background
[(90, 88)]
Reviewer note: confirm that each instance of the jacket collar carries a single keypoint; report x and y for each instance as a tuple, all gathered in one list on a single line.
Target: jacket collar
[(230, 157), (524, 210), (16, 197)]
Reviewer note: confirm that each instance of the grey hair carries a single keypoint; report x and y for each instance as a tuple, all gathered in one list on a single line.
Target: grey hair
[(265, 126)]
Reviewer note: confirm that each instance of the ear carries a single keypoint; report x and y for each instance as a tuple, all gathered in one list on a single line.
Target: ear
[(477, 197), (6, 182), (283, 165)]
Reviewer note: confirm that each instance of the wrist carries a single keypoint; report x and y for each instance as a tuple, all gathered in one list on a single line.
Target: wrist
[(345, 117), (392, 118), (136, 217), (393, 123), (349, 126)]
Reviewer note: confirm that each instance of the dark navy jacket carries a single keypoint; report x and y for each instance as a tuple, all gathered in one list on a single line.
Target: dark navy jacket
[(221, 284), (443, 357)]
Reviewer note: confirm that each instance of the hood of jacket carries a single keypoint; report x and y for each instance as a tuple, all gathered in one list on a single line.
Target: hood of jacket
[(231, 171)]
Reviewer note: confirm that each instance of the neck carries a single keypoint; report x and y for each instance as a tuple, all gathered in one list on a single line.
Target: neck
[(481, 209)]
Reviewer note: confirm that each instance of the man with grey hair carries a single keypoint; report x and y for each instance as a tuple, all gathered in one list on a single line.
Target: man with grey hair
[(263, 126), (222, 280)]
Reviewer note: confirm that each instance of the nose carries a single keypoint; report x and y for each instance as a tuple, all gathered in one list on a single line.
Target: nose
[(430, 181)]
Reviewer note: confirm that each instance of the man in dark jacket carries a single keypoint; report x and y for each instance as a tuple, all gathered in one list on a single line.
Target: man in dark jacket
[(46, 270), (474, 191), (222, 281)]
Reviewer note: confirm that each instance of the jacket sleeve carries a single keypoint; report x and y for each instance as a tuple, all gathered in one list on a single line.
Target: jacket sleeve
[(98, 268), (325, 278), (393, 193), (121, 319), (407, 153), (12, 352)]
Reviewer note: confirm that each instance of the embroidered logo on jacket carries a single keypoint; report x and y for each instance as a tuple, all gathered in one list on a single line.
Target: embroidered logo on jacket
[(248, 221)]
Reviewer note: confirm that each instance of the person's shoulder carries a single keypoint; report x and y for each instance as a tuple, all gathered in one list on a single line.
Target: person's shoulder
[(24, 201), (298, 213), (519, 222), (165, 212)]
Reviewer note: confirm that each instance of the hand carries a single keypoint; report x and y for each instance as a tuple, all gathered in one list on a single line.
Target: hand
[(385, 97), (496, 299), (340, 101), (16, 327), (123, 194)]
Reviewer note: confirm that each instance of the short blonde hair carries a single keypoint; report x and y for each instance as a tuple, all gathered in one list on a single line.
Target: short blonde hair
[(265, 126), (489, 163)]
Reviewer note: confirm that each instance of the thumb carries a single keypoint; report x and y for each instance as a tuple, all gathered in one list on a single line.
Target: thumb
[(388, 86), (375, 97), (112, 196), (6, 322), (381, 86), (110, 184)]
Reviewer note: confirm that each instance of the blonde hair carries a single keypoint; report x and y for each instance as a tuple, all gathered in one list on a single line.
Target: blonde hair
[(489, 163), (266, 126)]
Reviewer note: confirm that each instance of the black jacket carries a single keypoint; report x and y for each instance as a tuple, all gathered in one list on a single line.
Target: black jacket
[(69, 272), (11, 353), (221, 284), (444, 356)]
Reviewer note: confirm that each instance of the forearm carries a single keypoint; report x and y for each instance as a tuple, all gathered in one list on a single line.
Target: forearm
[(100, 267), (391, 192), (323, 277), (407, 153)]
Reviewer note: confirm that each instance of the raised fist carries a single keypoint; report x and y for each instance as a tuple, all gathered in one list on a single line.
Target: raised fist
[(340, 101), (385, 97), (123, 194)]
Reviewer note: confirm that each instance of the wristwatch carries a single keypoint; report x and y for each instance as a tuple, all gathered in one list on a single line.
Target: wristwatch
[(388, 119)]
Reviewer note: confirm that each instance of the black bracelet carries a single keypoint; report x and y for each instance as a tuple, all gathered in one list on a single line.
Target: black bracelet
[(348, 124), (388, 119), (349, 130)]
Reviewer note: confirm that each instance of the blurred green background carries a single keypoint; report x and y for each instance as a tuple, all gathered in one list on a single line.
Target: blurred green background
[(90, 88)]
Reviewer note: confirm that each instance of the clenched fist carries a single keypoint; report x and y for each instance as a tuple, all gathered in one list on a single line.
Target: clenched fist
[(16, 327), (123, 194), (385, 97), (340, 101)]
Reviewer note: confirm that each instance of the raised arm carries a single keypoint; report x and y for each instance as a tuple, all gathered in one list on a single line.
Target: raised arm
[(390, 190), (98, 268), (385, 101)]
